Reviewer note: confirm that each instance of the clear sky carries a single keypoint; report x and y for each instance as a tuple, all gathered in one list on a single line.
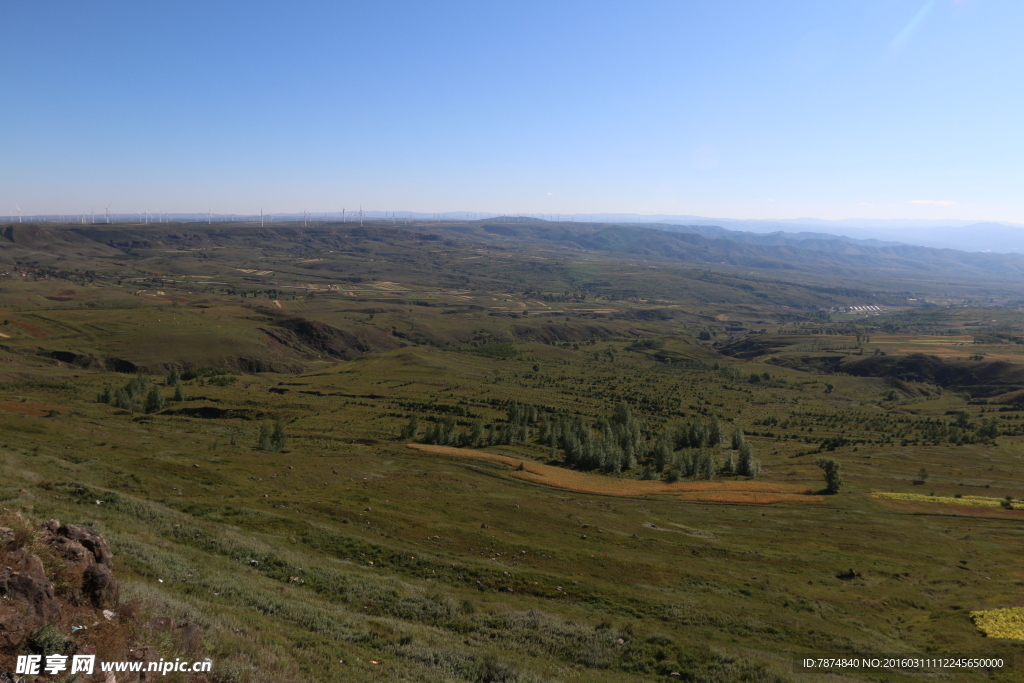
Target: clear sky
[(744, 108)]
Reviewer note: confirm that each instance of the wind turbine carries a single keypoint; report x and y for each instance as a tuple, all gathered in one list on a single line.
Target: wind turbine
[(303, 218), (360, 215), (107, 212), (19, 213), (261, 216), (343, 214), (208, 211)]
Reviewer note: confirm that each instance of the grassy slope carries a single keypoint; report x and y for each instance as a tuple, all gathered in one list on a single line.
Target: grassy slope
[(719, 591)]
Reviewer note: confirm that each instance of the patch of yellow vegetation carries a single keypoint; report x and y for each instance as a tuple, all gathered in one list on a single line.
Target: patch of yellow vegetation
[(1003, 622), (759, 492), (966, 501)]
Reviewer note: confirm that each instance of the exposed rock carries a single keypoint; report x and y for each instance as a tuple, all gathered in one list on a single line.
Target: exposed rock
[(191, 636), (98, 585), (90, 540), (28, 597)]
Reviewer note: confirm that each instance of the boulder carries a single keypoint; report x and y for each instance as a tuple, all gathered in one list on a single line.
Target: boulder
[(88, 538), (191, 635), (98, 585)]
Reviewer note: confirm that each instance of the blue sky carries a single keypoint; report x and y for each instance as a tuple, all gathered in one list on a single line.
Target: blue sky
[(745, 109)]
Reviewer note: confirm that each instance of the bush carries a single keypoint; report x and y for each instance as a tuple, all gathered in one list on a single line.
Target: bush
[(49, 640)]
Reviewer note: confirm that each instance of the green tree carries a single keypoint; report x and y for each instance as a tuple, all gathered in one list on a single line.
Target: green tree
[(737, 439), (661, 453), (729, 466), (263, 442), (716, 434), (105, 396), (746, 466), (412, 430), (173, 378), (136, 386), (179, 393), (476, 436), (833, 479), (278, 438), (154, 400), (707, 466), (122, 400)]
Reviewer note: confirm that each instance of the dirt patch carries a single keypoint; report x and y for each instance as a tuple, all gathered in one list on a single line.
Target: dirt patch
[(29, 408), (702, 491)]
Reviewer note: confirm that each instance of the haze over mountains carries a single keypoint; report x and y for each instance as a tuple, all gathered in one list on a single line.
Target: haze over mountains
[(946, 234), (801, 252), (963, 235)]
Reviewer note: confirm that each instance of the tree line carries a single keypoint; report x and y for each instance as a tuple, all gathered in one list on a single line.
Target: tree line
[(612, 444)]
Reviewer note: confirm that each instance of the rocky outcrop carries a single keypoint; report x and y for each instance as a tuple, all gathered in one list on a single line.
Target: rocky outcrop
[(27, 596), (90, 558)]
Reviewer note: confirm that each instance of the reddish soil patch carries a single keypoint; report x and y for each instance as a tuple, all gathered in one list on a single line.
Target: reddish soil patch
[(29, 408), (28, 327)]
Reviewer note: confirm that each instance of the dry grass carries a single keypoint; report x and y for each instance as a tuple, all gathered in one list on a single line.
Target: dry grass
[(582, 482), (963, 501)]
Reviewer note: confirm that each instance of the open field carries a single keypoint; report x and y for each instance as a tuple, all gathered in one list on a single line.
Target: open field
[(268, 494)]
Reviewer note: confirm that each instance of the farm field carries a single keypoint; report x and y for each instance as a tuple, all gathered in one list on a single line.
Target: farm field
[(335, 451)]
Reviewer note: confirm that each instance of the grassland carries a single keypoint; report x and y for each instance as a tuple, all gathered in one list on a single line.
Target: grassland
[(308, 559)]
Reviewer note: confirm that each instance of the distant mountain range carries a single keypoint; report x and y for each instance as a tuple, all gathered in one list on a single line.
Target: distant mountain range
[(964, 235), (1006, 238), (808, 252), (795, 252)]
